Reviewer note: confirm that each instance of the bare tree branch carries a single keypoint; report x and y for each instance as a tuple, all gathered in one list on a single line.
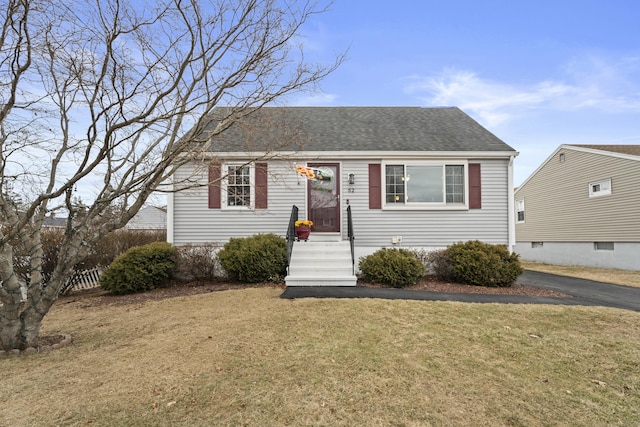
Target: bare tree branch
[(111, 95)]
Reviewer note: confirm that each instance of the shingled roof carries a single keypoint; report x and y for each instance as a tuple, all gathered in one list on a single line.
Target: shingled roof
[(340, 129), (633, 150)]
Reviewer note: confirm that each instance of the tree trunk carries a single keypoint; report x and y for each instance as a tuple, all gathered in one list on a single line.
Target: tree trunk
[(20, 318), (19, 332)]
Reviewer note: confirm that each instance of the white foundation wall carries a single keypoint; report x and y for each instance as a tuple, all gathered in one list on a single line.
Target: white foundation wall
[(625, 255)]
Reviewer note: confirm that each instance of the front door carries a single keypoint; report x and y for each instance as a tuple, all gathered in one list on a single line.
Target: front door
[(324, 197)]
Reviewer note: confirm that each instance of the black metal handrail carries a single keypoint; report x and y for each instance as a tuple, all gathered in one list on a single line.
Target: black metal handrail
[(291, 233), (351, 237)]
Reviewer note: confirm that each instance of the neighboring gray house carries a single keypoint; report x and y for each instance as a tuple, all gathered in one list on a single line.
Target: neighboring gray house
[(52, 222), (411, 177), (149, 218), (582, 207)]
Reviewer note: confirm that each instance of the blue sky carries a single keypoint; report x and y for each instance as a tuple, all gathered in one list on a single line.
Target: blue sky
[(536, 74)]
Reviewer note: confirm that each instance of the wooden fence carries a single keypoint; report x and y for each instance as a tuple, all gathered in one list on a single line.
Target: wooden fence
[(85, 279)]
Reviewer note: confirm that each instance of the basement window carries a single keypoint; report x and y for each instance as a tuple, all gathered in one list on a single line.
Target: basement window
[(603, 246)]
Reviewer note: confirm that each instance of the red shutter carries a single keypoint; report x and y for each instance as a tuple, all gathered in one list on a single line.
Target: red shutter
[(214, 187), (375, 190), (475, 187), (261, 186)]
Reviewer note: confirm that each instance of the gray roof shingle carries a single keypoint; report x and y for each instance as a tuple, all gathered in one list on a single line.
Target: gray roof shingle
[(358, 129), (633, 150)]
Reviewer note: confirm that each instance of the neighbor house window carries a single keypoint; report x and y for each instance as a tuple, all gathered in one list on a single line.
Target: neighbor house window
[(603, 246), (520, 210), (432, 184), (600, 188), (238, 185)]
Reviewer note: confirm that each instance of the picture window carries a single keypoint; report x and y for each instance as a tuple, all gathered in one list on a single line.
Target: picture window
[(430, 184)]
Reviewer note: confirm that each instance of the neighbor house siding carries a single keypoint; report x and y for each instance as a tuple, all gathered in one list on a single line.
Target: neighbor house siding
[(558, 207), (149, 218)]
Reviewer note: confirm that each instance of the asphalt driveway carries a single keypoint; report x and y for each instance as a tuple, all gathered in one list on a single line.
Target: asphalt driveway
[(587, 292), (583, 292)]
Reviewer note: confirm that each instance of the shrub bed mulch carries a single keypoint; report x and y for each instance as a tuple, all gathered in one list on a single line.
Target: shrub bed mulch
[(97, 296), (432, 284)]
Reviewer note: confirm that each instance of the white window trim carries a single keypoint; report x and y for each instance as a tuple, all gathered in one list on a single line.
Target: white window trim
[(224, 185), (518, 221), (600, 193), (427, 206)]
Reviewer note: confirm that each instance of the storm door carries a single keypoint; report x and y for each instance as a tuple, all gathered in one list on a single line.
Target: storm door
[(324, 197)]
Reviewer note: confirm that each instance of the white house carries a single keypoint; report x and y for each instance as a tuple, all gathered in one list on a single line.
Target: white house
[(149, 218), (410, 177)]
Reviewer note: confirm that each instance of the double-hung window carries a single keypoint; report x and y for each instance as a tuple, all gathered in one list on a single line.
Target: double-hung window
[(425, 185), (238, 183), (238, 186), (520, 210)]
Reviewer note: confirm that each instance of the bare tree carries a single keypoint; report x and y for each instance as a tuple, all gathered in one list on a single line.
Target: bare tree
[(100, 95)]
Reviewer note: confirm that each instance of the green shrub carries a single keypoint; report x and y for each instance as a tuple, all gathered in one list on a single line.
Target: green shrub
[(483, 264), (391, 267), (140, 269), (255, 259), (108, 248)]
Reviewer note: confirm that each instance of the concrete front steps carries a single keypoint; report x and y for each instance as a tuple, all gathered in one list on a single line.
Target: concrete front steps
[(318, 263)]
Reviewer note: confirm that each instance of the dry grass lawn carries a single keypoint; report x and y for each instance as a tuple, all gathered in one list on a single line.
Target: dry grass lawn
[(620, 277), (247, 357)]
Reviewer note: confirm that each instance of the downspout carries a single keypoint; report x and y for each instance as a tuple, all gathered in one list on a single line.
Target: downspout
[(510, 206), (170, 209)]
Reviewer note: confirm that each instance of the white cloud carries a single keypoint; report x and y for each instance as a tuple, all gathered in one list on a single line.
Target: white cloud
[(590, 83)]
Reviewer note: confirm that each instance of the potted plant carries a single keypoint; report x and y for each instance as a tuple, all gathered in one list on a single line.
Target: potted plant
[(303, 228)]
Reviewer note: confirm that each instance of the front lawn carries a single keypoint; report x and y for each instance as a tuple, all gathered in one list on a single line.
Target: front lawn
[(247, 357)]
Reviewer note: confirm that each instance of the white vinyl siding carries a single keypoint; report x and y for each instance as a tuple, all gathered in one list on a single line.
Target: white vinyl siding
[(194, 222), (432, 228), (149, 218)]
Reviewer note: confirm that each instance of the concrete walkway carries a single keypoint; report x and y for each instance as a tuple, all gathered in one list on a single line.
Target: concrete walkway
[(583, 292)]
